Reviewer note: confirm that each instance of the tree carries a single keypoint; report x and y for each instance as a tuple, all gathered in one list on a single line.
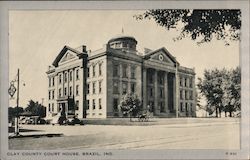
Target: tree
[(131, 105), (202, 25), (36, 108), (14, 112), (221, 88)]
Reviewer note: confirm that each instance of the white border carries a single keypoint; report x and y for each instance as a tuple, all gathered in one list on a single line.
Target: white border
[(130, 154)]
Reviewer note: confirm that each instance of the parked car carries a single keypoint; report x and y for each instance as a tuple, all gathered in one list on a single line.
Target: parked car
[(73, 121)]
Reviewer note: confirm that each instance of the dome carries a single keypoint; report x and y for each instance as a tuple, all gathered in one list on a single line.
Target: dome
[(123, 42)]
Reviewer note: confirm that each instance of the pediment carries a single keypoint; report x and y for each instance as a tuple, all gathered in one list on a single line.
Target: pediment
[(68, 56), (162, 56)]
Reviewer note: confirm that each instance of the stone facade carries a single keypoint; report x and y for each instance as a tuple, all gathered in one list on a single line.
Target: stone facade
[(92, 84)]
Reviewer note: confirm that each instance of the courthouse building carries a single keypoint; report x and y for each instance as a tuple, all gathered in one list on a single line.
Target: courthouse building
[(91, 84)]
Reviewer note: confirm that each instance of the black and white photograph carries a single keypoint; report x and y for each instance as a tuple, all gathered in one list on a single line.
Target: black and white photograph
[(93, 83)]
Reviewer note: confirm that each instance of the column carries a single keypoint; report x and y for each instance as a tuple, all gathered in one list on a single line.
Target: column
[(166, 91), (156, 109), (144, 87), (177, 92), (120, 80), (129, 78)]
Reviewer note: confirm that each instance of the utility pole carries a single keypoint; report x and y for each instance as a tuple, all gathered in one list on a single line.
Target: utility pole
[(17, 105)]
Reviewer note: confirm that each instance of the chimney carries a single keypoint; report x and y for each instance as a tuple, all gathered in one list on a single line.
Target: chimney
[(84, 50)]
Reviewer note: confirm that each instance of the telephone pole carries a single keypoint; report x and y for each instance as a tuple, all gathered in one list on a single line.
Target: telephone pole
[(17, 105)]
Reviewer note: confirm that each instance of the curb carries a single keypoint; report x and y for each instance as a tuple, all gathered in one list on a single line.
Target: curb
[(36, 135)]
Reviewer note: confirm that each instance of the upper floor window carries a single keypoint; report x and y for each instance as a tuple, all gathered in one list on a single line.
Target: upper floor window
[(60, 79), (93, 70), (70, 76), (191, 83), (191, 95), (150, 78), (186, 94), (60, 92), (133, 87), (124, 71), (88, 88), (94, 87), (181, 95), (65, 91), (161, 92), (49, 81), (65, 77), (116, 70), (181, 84), (77, 90), (115, 87), (70, 91), (49, 94), (100, 69), (77, 74), (133, 72), (87, 104), (100, 86), (53, 81), (53, 94), (185, 82), (88, 72)]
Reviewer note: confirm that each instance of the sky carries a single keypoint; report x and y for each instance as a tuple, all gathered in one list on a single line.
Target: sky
[(37, 37)]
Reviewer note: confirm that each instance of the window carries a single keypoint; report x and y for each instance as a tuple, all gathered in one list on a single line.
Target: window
[(52, 108), (77, 90), (115, 87), (150, 78), (88, 88), (161, 92), (191, 107), (133, 72), (53, 81), (116, 70), (49, 108), (185, 82), (181, 106), (133, 87), (88, 72), (49, 94), (124, 87), (65, 77), (93, 70), (151, 92), (115, 104), (100, 69), (100, 86), (60, 92), (124, 71), (161, 79), (77, 74), (65, 91), (100, 103), (53, 94), (77, 105), (186, 94), (186, 107), (60, 79), (181, 81), (191, 95), (70, 76), (93, 103), (93, 87), (70, 91), (181, 96), (191, 83), (49, 81), (87, 104)]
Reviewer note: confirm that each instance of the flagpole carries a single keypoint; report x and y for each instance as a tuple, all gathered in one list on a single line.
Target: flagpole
[(17, 105)]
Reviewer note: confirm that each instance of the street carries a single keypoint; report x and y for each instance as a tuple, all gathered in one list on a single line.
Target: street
[(191, 134)]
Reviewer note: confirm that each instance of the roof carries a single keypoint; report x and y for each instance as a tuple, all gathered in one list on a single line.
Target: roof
[(148, 55), (63, 51), (122, 37)]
